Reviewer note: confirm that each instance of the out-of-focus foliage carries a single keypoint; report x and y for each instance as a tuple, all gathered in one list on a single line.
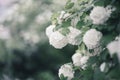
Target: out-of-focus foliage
[(25, 53)]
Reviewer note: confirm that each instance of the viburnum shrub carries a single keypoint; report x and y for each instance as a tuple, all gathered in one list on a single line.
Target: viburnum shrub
[(93, 26)]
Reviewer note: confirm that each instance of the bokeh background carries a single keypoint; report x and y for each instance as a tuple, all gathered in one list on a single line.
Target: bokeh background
[(25, 52)]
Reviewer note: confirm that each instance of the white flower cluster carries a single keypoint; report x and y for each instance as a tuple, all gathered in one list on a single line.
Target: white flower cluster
[(99, 14), (72, 36), (80, 60), (59, 41), (92, 38), (67, 71), (114, 47)]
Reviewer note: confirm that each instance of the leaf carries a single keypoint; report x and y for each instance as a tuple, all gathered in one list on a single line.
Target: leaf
[(98, 72), (64, 31), (80, 24), (69, 5), (66, 23), (107, 39), (62, 77)]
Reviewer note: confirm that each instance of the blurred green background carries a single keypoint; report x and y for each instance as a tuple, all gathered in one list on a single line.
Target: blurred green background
[(25, 52)]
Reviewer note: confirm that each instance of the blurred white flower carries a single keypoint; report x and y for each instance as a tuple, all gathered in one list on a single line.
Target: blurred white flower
[(113, 47), (92, 38), (72, 36), (102, 67), (67, 71), (80, 60), (30, 37), (42, 18), (4, 33), (99, 15), (49, 30), (58, 40)]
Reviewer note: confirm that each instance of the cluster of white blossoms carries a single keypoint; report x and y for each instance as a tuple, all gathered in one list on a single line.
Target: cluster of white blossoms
[(114, 47), (59, 41), (92, 38), (100, 15), (49, 30), (67, 71), (72, 36), (5, 33), (80, 60)]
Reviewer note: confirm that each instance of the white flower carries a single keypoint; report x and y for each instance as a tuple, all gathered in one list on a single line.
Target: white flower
[(113, 47), (83, 61), (67, 71), (4, 33), (79, 60), (92, 38), (58, 40), (99, 15), (49, 30), (76, 59), (72, 36), (102, 67)]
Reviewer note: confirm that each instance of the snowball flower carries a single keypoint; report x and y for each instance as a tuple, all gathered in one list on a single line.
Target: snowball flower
[(76, 59), (72, 36), (99, 15), (92, 38), (58, 40), (79, 60), (4, 33), (102, 67), (113, 47), (49, 30), (67, 71)]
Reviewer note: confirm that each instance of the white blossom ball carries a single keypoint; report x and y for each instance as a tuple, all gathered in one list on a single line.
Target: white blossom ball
[(80, 60), (67, 71), (76, 58), (58, 40), (92, 38), (99, 15), (73, 36), (83, 61), (113, 47), (49, 30), (102, 67)]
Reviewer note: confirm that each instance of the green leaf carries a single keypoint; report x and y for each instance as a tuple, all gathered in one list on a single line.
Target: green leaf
[(100, 3), (69, 5), (54, 17), (80, 24), (107, 39), (98, 75), (64, 31), (62, 77), (66, 23)]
